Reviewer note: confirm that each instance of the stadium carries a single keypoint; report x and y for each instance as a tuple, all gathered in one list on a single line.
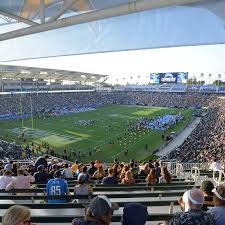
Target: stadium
[(80, 147)]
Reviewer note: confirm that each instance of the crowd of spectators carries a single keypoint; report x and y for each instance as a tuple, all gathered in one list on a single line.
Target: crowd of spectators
[(43, 170), (10, 150), (59, 101), (205, 143), (207, 140), (194, 202)]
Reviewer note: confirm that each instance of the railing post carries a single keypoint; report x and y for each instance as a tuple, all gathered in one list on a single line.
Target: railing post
[(218, 180), (171, 207), (196, 174), (160, 196)]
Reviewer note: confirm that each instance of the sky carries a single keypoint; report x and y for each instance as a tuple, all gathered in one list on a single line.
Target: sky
[(120, 65), (183, 25)]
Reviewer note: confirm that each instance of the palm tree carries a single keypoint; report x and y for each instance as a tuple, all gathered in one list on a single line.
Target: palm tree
[(194, 80), (131, 78), (138, 79), (202, 75), (219, 79), (124, 78), (210, 75)]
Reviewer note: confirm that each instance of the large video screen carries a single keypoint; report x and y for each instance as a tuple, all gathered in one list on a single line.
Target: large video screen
[(169, 78)]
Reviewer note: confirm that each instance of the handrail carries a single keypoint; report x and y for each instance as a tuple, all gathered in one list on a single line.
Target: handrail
[(218, 180), (196, 174), (186, 166), (115, 189), (129, 195), (179, 170), (82, 205), (136, 185), (115, 218)]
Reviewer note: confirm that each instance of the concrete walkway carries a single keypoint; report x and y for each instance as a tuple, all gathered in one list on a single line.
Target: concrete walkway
[(180, 138)]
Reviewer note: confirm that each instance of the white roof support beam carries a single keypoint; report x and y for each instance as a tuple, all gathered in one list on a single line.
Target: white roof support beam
[(124, 9), (18, 18), (42, 11), (68, 4)]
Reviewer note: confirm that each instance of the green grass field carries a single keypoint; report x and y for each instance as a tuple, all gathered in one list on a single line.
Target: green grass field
[(111, 123)]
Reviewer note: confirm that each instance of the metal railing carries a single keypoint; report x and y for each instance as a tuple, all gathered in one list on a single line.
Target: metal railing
[(172, 166)]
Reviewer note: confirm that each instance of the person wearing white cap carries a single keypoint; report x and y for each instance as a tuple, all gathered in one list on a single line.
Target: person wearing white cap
[(99, 212), (218, 211), (193, 215)]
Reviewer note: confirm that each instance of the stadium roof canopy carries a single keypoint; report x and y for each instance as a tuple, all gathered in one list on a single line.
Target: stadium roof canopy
[(42, 28), (15, 72)]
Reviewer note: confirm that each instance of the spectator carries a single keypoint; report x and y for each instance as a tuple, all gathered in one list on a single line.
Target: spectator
[(5, 179), (9, 165), (14, 169), (42, 160), (207, 187), (31, 169), (150, 163), (152, 177), (67, 172), (128, 179), (79, 169), (92, 168), (134, 170), (57, 186), (158, 169), (110, 179), (124, 170), (41, 177), (99, 212), (193, 215), (22, 181), (215, 166), (144, 171), (17, 215), (74, 167), (86, 173), (134, 214), (97, 164), (1, 165), (99, 173), (53, 171), (82, 188), (115, 168), (165, 176), (218, 211)]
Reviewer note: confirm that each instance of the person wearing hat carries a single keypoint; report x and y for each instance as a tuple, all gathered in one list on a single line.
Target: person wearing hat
[(82, 188), (218, 211), (99, 212), (57, 186), (193, 215)]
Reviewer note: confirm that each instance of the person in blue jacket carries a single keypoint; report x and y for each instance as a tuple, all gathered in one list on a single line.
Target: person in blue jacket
[(57, 186)]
